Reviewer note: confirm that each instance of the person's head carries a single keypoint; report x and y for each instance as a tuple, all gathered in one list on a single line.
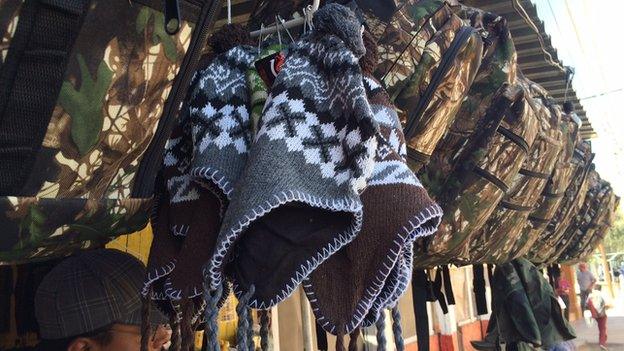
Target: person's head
[(583, 266), (597, 287), (91, 301)]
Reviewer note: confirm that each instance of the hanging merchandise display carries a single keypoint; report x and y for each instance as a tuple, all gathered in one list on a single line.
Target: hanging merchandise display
[(318, 130), (358, 281)]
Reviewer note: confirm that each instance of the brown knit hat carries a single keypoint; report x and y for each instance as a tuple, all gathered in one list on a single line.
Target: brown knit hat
[(397, 210)]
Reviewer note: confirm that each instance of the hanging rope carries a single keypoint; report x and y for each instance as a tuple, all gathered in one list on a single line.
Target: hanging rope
[(175, 332), (187, 332), (250, 332), (242, 333), (397, 330), (211, 328), (381, 326), (353, 340), (265, 319), (146, 328), (340, 341)]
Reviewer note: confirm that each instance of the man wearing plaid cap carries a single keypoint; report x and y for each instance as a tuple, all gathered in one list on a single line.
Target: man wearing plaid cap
[(91, 301)]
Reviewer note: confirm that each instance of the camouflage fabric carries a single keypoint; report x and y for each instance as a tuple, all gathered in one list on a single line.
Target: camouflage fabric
[(472, 192), (554, 192), (9, 15), (48, 227), (426, 71), (574, 196), (591, 224), (117, 79), (477, 119), (498, 236)]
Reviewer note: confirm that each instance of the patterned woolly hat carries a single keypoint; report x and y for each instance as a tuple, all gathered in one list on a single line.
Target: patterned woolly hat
[(203, 159), (397, 210), (298, 201)]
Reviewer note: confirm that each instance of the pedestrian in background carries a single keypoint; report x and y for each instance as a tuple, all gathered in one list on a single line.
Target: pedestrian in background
[(597, 304), (586, 281), (563, 291)]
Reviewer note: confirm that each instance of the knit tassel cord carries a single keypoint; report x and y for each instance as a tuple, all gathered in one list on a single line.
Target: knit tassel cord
[(340, 341), (397, 329), (211, 314), (242, 310), (146, 329), (186, 326), (353, 340), (250, 332), (381, 326), (265, 318), (175, 333)]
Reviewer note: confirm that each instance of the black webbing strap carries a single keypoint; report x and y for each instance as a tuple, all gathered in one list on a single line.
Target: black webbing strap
[(448, 287), (478, 287), (420, 296), (437, 290), (321, 338), (30, 82)]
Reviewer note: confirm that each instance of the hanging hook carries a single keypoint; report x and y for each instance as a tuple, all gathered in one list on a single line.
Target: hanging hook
[(260, 36), (283, 24), (229, 11)]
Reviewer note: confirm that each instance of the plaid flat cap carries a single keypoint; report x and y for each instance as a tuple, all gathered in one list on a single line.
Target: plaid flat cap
[(89, 291)]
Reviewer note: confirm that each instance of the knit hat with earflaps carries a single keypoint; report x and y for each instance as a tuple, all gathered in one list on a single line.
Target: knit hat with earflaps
[(297, 201), (397, 210), (199, 168)]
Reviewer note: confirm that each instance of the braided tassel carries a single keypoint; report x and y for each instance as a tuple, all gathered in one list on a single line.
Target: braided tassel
[(397, 330), (243, 321), (355, 335), (146, 328), (381, 326), (265, 318), (175, 333), (250, 332), (211, 328), (340, 341), (186, 326)]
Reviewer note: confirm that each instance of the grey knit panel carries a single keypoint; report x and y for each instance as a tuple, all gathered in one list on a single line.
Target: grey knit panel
[(219, 113)]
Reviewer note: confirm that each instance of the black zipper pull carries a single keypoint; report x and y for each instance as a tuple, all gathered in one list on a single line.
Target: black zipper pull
[(172, 16)]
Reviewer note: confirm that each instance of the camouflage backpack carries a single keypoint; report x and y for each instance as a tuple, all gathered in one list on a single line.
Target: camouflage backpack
[(499, 234), (589, 227), (482, 184), (574, 196), (428, 59), (554, 192), (90, 89)]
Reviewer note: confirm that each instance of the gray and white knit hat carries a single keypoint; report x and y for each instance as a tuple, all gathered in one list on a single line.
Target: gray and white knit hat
[(298, 200), (203, 158), (372, 271)]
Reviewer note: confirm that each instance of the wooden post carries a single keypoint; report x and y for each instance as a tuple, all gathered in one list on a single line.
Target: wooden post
[(607, 270), (575, 307)]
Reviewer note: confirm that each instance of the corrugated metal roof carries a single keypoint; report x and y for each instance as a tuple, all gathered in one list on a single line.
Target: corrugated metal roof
[(531, 58)]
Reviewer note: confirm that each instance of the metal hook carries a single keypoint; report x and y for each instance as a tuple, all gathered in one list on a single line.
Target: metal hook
[(283, 23), (260, 36), (229, 11)]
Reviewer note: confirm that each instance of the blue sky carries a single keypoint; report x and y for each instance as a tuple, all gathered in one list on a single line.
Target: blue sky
[(588, 36)]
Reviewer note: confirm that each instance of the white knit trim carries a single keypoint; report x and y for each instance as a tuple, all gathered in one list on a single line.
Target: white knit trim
[(176, 294), (214, 267), (201, 174), (410, 232), (155, 274)]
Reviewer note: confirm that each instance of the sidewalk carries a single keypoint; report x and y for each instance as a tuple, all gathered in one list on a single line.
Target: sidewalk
[(587, 336)]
